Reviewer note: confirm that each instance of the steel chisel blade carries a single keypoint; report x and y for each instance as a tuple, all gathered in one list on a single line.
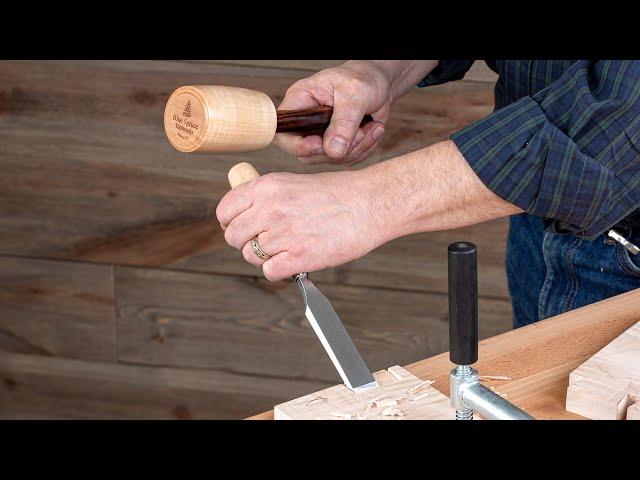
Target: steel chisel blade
[(334, 338)]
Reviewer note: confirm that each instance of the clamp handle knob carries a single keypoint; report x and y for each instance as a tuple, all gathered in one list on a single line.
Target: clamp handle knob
[(463, 303)]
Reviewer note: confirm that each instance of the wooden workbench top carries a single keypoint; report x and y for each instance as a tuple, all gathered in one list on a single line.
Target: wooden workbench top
[(539, 357)]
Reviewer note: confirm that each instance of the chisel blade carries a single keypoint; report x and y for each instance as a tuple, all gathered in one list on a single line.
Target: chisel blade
[(334, 338)]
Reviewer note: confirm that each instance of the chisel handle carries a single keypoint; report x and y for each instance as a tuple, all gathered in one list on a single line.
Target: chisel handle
[(242, 173)]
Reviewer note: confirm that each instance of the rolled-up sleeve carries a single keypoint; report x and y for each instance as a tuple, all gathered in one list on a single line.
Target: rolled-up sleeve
[(570, 152), (446, 71)]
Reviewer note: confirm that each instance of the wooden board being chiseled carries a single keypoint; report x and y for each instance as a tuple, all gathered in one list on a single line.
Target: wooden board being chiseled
[(400, 396), (607, 386)]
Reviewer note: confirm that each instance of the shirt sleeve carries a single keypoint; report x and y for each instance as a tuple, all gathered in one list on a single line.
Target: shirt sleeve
[(570, 152), (446, 71)]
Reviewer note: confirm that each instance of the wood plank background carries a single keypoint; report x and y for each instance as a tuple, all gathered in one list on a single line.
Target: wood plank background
[(118, 295)]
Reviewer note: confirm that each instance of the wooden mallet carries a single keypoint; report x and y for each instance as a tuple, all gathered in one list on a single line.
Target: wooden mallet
[(220, 119)]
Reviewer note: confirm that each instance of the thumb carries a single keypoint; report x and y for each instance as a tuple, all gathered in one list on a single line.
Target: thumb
[(345, 121)]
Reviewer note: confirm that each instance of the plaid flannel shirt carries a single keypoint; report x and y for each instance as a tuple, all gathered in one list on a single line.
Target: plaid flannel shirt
[(563, 142)]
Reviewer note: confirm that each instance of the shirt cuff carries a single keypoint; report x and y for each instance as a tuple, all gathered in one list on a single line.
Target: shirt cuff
[(446, 71), (518, 154)]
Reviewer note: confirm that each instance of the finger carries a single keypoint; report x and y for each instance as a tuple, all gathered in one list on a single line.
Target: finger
[(298, 96), (348, 111), (279, 267), (250, 256), (233, 204), (373, 136), (298, 145), (364, 155), (244, 227), (320, 157)]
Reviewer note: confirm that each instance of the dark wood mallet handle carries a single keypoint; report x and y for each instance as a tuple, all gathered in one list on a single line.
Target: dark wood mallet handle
[(309, 121)]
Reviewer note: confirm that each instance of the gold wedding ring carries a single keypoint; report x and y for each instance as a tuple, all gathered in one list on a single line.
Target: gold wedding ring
[(257, 250)]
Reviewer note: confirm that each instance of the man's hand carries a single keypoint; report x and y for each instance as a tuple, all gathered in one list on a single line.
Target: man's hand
[(311, 222), (353, 89), (304, 222)]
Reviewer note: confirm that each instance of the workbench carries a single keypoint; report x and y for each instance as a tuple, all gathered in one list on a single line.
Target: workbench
[(538, 358)]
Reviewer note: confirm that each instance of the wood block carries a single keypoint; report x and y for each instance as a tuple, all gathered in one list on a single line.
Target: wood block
[(400, 396), (606, 385), (633, 412)]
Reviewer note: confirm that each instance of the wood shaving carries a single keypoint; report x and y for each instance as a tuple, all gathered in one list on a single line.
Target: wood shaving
[(420, 397), (393, 412), (313, 401), (383, 403), (494, 377), (503, 395), (395, 374), (346, 416), (421, 385)]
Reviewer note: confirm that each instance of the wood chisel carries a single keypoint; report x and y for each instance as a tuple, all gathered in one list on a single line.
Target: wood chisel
[(321, 315)]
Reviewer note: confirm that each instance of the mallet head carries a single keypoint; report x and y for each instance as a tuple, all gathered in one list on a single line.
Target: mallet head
[(219, 119)]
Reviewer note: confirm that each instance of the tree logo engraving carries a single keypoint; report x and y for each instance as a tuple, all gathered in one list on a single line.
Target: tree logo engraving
[(187, 109)]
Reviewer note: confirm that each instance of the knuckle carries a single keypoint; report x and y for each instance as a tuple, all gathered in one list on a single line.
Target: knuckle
[(279, 211), (354, 83)]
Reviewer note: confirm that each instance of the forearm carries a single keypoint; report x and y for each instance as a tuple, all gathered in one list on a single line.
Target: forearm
[(427, 190)]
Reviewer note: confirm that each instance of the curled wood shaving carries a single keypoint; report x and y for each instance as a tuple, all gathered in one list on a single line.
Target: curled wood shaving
[(494, 377), (346, 416), (393, 412), (395, 374)]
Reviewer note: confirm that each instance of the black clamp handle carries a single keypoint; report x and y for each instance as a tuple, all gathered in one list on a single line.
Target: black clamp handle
[(463, 303)]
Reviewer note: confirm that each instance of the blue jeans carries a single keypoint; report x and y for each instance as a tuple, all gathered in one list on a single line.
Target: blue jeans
[(551, 273)]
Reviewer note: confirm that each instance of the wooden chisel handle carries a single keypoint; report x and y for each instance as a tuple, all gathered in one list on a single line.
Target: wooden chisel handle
[(309, 121), (242, 173)]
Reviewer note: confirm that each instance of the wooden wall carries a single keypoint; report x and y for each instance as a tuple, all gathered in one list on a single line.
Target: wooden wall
[(118, 295)]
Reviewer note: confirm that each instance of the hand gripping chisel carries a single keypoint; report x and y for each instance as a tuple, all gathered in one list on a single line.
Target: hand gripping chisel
[(321, 315)]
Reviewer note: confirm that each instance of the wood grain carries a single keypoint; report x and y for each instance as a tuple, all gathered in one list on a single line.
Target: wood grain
[(608, 383), (399, 395), (57, 309), (250, 325), (34, 386), (540, 357), (88, 174)]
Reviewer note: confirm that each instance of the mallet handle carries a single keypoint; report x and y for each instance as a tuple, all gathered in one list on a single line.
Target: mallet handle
[(309, 121)]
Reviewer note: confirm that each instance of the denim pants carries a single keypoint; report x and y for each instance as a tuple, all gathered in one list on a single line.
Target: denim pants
[(551, 273)]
